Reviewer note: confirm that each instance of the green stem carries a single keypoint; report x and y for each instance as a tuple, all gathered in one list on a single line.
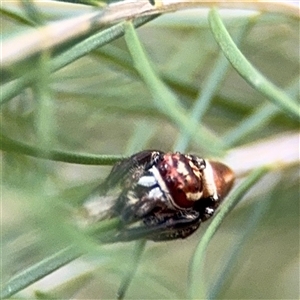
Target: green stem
[(197, 287), (256, 213), (260, 117), (247, 71), (138, 251), (13, 88), (57, 260), (165, 100), (10, 145), (38, 271)]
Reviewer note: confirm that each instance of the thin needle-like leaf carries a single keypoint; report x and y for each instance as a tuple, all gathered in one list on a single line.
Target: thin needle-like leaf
[(255, 215), (210, 87), (137, 254), (19, 18), (247, 70), (39, 271), (197, 287), (165, 100), (57, 260), (10, 145), (11, 89), (52, 35), (261, 116)]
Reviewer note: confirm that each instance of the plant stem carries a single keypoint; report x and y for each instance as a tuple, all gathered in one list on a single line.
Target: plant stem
[(39, 271), (247, 71), (197, 287), (10, 145)]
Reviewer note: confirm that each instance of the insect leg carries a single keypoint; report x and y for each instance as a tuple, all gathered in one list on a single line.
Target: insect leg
[(180, 225)]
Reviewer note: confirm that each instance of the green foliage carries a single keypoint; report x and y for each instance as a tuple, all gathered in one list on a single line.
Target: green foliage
[(101, 96)]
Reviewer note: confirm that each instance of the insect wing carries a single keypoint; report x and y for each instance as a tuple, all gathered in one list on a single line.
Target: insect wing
[(122, 169), (104, 200)]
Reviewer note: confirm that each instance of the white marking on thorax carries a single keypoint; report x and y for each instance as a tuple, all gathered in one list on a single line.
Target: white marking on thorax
[(193, 196), (163, 187), (209, 182), (181, 168), (147, 181), (155, 193), (159, 180)]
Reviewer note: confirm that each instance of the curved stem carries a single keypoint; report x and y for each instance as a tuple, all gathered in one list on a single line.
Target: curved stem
[(197, 288), (247, 70), (39, 270), (10, 145)]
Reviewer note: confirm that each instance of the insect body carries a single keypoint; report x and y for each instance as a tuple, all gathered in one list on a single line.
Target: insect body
[(162, 196)]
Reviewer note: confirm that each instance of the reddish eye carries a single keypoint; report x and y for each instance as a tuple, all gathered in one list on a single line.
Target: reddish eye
[(180, 198)]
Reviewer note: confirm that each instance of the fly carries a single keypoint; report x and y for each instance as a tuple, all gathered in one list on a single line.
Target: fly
[(160, 196)]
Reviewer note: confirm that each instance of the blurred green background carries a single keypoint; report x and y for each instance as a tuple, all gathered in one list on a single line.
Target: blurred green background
[(99, 105)]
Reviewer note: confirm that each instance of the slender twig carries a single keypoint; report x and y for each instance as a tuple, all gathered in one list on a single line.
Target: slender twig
[(229, 263), (248, 71), (165, 99), (248, 157), (252, 155), (197, 288), (39, 270), (47, 37), (57, 260), (137, 254), (10, 145), (95, 41)]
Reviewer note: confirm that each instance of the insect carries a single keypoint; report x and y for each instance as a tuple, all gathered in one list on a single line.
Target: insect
[(160, 196)]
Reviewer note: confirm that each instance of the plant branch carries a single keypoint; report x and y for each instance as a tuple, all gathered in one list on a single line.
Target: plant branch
[(10, 145), (252, 155), (57, 260), (247, 71), (248, 157), (197, 288), (51, 35), (38, 271), (164, 98), (13, 88), (137, 255)]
